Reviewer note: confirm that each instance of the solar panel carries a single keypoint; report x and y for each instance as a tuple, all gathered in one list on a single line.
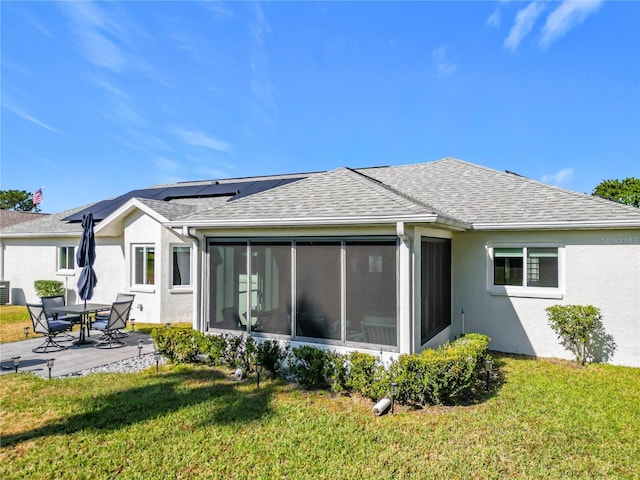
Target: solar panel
[(234, 190)]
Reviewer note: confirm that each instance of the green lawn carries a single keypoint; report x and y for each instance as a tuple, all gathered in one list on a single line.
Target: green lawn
[(545, 419)]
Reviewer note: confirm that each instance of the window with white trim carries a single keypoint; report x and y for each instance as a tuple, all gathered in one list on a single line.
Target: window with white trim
[(181, 266), (143, 265), (525, 269), (66, 258)]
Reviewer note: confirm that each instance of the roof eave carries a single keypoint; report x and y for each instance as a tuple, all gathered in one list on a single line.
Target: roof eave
[(40, 235), (113, 224), (320, 221), (559, 225)]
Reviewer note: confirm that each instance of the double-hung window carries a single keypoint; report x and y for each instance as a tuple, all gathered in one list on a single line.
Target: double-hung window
[(181, 266), (66, 258), (143, 265), (525, 270)]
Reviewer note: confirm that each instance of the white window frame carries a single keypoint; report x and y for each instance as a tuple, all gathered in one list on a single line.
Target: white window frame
[(189, 285), (524, 290), (66, 270), (146, 247)]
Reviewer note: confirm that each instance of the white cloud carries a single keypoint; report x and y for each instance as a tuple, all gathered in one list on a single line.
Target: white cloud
[(494, 19), (98, 34), (562, 177), (525, 19), (201, 139), (444, 66), (30, 118), (567, 16), (166, 164)]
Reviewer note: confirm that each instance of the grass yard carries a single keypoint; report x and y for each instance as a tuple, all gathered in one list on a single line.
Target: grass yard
[(13, 319), (548, 419)]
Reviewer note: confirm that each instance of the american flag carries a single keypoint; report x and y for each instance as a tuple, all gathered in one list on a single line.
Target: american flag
[(37, 197)]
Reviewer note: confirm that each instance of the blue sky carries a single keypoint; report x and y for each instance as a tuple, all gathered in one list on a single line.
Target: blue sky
[(102, 98)]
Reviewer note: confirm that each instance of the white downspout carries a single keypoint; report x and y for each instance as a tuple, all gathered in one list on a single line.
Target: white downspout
[(196, 265), (404, 291), (1, 261)]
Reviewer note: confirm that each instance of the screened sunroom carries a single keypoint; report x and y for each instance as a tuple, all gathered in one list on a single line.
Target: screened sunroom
[(338, 291)]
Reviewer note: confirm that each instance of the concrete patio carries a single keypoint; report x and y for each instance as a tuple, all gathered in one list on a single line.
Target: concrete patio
[(72, 359)]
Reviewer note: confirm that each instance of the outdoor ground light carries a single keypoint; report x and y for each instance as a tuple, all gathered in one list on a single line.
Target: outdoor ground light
[(50, 365), (394, 394), (488, 366), (157, 356), (133, 324), (26, 333), (168, 324), (140, 342), (258, 372), (16, 362)]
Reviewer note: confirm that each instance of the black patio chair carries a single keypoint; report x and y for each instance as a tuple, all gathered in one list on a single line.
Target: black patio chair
[(117, 320), (58, 301), (49, 328), (104, 316)]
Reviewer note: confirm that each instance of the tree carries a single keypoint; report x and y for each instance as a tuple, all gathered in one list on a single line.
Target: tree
[(17, 200), (625, 191)]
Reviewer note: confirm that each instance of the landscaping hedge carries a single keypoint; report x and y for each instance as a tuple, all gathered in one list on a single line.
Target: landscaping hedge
[(445, 375)]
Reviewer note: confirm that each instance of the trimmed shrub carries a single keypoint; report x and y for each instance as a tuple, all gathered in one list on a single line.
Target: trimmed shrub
[(271, 355), (312, 367), (240, 352), (441, 376), (176, 344), (213, 347), (48, 288), (577, 327), (366, 376)]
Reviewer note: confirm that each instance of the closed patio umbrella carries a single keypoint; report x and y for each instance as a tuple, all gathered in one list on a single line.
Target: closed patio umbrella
[(85, 257)]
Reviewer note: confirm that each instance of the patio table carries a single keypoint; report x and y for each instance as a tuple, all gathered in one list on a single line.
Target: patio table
[(83, 310)]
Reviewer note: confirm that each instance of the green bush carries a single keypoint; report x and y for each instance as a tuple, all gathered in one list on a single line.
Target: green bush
[(213, 347), (176, 344), (442, 376), (312, 366), (366, 376), (576, 326), (271, 355), (48, 288), (240, 352)]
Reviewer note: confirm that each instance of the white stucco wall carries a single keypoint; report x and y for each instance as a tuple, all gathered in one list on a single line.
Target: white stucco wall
[(158, 303), (143, 230), (28, 260), (601, 268), (176, 302)]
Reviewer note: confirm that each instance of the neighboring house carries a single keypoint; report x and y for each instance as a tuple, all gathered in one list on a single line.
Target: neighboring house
[(12, 217), (388, 259)]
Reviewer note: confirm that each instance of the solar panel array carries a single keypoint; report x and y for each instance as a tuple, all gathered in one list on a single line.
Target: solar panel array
[(234, 191)]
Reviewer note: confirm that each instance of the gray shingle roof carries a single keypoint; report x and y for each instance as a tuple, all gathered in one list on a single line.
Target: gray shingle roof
[(476, 194), (450, 188), (11, 217), (47, 224), (337, 193)]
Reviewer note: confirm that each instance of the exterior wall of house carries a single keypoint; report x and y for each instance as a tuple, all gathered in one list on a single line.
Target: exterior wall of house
[(142, 230), (176, 302), (600, 268), (28, 260)]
